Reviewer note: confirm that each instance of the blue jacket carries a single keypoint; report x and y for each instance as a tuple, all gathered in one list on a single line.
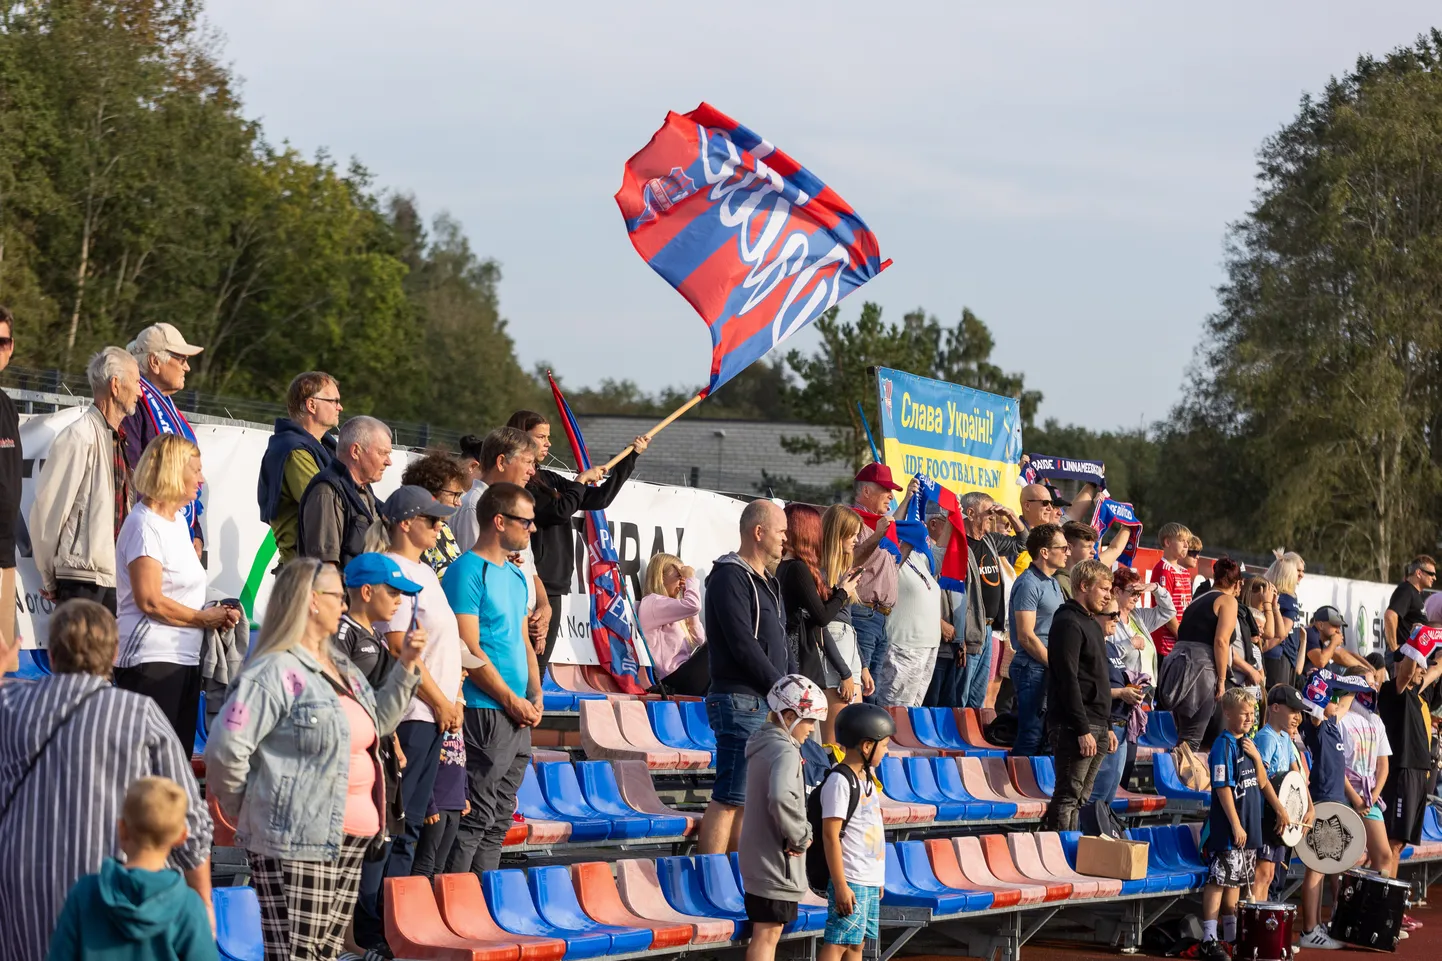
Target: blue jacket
[(125, 914), (278, 758), (288, 438)]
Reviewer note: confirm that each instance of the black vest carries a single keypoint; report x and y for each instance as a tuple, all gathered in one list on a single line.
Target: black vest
[(358, 513)]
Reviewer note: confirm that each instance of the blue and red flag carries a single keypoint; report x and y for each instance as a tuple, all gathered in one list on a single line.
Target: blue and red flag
[(610, 629), (910, 529), (755, 241)]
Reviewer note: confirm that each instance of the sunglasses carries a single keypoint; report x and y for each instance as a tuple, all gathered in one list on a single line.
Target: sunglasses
[(525, 522), (1111, 615), (1038, 500), (1420, 570), (6, 343)]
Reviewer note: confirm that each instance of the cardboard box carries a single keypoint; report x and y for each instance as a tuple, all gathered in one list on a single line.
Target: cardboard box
[(1106, 858)]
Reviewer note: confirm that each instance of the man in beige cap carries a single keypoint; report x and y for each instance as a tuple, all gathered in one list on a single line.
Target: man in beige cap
[(164, 357)]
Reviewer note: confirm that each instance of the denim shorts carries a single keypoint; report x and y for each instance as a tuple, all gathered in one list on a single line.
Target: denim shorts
[(864, 921), (734, 718)]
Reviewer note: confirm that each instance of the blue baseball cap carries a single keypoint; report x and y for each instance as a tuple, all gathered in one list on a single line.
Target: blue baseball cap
[(378, 569)]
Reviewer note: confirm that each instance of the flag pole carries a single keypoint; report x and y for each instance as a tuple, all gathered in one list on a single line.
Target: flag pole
[(651, 434)]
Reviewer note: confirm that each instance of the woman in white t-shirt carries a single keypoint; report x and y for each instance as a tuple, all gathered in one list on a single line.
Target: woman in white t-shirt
[(160, 586)]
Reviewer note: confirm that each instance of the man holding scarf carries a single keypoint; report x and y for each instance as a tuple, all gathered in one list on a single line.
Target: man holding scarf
[(163, 357), (877, 589)]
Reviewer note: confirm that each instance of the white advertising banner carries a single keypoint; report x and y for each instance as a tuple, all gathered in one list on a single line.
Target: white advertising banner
[(696, 525)]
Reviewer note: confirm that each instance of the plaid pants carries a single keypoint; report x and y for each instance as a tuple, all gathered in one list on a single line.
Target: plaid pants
[(305, 906)]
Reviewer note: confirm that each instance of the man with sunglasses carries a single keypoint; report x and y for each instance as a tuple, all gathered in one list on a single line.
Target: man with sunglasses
[(11, 457), (1404, 610), (1039, 505), (1035, 598)]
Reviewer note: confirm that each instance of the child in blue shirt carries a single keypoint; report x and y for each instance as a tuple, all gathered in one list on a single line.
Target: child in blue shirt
[(1234, 824), (1279, 755)]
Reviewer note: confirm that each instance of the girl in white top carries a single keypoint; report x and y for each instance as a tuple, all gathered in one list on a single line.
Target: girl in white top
[(160, 586)]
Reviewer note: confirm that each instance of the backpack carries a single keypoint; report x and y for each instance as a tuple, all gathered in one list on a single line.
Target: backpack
[(1002, 730), (818, 873)]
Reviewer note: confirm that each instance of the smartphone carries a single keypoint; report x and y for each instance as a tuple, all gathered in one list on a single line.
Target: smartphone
[(231, 602), (415, 617)]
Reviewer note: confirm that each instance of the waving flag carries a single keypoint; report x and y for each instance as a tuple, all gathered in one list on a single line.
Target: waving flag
[(755, 241), (1109, 512), (610, 629)]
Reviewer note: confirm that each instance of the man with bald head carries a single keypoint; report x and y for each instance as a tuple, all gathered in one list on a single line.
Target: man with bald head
[(1038, 506), (746, 641)]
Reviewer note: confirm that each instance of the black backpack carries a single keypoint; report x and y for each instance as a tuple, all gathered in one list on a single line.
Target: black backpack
[(818, 874)]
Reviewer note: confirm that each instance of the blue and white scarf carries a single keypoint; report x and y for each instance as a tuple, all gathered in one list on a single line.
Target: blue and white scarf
[(166, 418)]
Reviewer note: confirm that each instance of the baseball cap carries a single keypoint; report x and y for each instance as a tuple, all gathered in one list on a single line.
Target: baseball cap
[(877, 474), (378, 569), (1327, 614), (413, 501), (162, 337), (1287, 696), (1056, 497)]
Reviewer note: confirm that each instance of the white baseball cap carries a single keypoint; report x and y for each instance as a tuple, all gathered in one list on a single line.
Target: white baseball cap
[(162, 337)]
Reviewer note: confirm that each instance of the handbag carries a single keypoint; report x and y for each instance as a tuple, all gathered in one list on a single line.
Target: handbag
[(40, 752), (1191, 768)]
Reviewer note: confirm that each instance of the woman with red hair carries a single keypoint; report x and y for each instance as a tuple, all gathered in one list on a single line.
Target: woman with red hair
[(810, 602)]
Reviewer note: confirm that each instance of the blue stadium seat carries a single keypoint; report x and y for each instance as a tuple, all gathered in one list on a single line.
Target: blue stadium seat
[(1177, 857), (671, 729), (922, 777), (948, 778), (201, 734), (237, 924), (555, 899), (902, 893), (1044, 770), (509, 897), (1161, 731), (1069, 846), (1168, 784), (944, 718), (925, 730), (681, 883), (916, 865), (532, 804), (895, 782), (598, 782), (1431, 825), (563, 794), (698, 727), (1160, 877), (809, 917), (34, 664)]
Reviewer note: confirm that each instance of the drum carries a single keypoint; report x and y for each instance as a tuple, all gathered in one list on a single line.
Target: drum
[(1291, 790), (1337, 841), (1264, 931), (1369, 910)]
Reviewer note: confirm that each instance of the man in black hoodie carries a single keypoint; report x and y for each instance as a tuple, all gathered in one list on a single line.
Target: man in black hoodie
[(1079, 694), (746, 638)]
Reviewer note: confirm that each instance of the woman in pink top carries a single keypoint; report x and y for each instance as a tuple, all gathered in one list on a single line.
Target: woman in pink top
[(670, 613)]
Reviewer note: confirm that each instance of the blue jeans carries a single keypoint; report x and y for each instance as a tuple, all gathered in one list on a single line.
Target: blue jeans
[(945, 688), (976, 676), (1028, 679), (871, 641), (734, 718), (1109, 778)]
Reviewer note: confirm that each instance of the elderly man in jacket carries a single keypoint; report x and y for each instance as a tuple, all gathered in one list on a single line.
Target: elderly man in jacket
[(338, 505), (83, 495)]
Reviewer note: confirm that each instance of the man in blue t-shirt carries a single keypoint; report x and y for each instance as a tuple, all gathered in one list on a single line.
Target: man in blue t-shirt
[(1035, 597), (1234, 823), (502, 688)]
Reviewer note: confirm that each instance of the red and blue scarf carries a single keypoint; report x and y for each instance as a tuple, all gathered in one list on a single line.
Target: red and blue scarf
[(166, 418)]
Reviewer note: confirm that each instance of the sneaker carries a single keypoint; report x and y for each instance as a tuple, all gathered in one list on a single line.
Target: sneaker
[(1403, 935), (1319, 938), (1410, 923), (1212, 951)]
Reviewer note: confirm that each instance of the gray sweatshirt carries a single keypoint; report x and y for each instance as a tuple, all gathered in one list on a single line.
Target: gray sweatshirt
[(774, 818)]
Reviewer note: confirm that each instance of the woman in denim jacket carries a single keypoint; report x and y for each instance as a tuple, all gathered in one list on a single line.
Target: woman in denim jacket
[(293, 761)]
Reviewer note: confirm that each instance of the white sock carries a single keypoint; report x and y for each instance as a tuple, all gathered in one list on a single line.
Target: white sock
[(1209, 930), (1229, 927)]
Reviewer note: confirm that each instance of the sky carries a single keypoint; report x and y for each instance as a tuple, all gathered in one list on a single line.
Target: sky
[(1067, 170)]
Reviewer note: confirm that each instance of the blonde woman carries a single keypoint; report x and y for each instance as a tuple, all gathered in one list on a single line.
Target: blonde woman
[(160, 586), (841, 531), (1285, 662), (670, 613), (293, 762)]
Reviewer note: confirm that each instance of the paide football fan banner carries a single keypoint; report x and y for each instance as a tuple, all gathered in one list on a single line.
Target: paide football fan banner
[(610, 629), (963, 439), (755, 241)]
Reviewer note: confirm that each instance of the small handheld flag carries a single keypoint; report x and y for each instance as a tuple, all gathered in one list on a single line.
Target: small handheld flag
[(1421, 643), (1109, 512)]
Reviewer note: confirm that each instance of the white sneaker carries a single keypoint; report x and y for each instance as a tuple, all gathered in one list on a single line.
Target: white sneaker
[(1319, 938)]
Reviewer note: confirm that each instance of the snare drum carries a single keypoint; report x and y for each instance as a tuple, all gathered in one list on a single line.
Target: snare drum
[(1264, 931), (1369, 910)]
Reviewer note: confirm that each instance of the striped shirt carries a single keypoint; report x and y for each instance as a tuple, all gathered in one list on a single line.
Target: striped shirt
[(61, 824)]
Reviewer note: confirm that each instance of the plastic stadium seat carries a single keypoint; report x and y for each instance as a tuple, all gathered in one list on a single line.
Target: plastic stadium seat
[(916, 865), (948, 778), (641, 892), (1026, 855), (603, 794), (518, 833), (600, 680), (542, 831), (998, 859), (639, 791), (721, 881), (899, 804), (1054, 859), (923, 725), (922, 776), (972, 861), (810, 913), (671, 730), (698, 726), (563, 793), (1160, 874), (533, 804), (548, 756), (1431, 825), (1043, 770), (983, 788), (1164, 776), (1129, 888), (947, 867), (1023, 775), (414, 928), (1145, 803), (681, 883), (944, 719), (237, 924), (899, 891), (1161, 732), (512, 906), (907, 736), (568, 678), (555, 899), (1181, 850), (602, 740), (969, 723), (636, 727), (459, 898), (596, 890)]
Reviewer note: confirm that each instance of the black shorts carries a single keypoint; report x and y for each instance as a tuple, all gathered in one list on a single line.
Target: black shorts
[(1404, 803), (767, 911)]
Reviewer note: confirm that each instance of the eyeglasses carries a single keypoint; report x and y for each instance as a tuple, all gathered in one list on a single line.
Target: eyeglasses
[(525, 522), (1055, 547), (330, 593), (180, 359), (6, 343), (451, 493), (328, 400)]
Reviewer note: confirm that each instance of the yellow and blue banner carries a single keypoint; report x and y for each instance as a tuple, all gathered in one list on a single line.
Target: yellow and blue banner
[(962, 438)]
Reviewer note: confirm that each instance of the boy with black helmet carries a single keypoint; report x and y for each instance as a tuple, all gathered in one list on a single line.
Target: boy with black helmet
[(853, 839)]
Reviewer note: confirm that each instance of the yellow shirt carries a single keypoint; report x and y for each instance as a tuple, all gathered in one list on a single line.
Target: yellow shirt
[(1023, 561)]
